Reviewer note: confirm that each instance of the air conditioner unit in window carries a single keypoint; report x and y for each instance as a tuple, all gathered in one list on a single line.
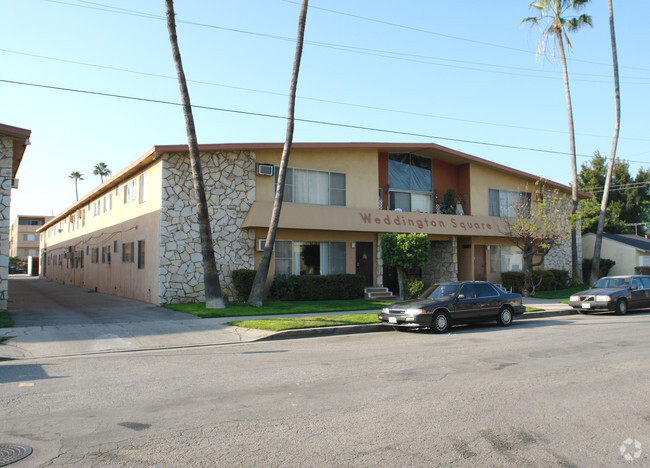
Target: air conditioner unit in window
[(260, 245), (265, 169)]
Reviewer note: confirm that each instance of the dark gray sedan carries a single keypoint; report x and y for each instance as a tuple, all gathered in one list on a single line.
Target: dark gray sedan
[(614, 293), (444, 304)]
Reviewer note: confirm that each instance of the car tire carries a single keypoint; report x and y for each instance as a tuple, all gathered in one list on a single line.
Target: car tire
[(621, 307), (583, 312), (440, 323), (505, 316)]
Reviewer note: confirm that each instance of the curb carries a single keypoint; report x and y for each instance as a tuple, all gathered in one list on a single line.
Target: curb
[(380, 327)]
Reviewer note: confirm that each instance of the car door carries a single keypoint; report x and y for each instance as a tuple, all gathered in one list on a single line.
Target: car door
[(465, 307), (637, 294), (488, 300), (646, 286)]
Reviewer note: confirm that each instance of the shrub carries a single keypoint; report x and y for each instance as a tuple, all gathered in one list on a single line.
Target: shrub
[(605, 265), (414, 287), (642, 270), (243, 282), (551, 280), (317, 287)]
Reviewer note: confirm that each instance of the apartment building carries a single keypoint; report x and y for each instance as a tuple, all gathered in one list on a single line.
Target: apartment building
[(23, 238), (136, 235)]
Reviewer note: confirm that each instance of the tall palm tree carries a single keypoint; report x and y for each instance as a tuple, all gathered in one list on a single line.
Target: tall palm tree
[(257, 290), (595, 262), (77, 176), (555, 26), (102, 170), (213, 297)]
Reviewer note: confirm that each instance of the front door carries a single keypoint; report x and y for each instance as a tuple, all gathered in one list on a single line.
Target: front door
[(480, 273), (364, 261)]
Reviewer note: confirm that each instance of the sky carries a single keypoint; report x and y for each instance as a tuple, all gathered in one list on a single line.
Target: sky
[(465, 75)]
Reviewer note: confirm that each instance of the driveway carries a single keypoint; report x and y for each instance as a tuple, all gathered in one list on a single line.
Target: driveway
[(53, 319)]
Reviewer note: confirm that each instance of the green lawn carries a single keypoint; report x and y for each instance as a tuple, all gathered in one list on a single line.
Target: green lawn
[(240, 309), (307, 322), (560, 293), (5, 319)]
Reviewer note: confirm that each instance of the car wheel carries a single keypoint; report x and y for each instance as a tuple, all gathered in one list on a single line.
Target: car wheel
[(505, 316), (440, 322), (584, 312), (621, 307)]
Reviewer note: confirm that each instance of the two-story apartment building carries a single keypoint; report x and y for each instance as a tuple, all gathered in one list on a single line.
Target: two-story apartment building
[(137, 234), (23, 238)]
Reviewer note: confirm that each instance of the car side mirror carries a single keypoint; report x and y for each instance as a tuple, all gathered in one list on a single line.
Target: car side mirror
[(460, 296), (632, 288)]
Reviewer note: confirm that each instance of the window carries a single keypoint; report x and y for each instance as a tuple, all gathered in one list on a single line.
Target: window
[(507, 204), (106, 254), (505, 258), (142, 188), (313, 187), (31, 252), (108, 202), (127, 252), (140, 254), (115, 246), (95, 256), (410, 183), (30, 222), (309, 258), (485, 290), (129, 192), (96, 208), (468, 290), (30, 237)]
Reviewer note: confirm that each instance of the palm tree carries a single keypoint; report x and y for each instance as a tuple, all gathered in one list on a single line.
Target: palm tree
[(595, 263), (102, 170), (257, 290), (213, 298), (555, 26), (77, 176)]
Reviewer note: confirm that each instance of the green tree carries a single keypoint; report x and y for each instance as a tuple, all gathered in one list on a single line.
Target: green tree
[(77, 176), (595, 263), (404, 251), (555, 26), (538, 226), (213, 297), (102, 170), (628, 202), (257, 291)]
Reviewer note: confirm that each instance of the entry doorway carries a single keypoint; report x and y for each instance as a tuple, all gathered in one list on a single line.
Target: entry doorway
[(480, 266), (364, 261)]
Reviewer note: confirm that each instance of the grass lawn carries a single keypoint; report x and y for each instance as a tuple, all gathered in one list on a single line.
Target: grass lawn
[(5, 319), (240, 309), (560, 293)]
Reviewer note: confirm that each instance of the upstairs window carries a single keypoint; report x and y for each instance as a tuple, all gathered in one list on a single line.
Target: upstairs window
[(508, 204), (410, 183), (142, 188), (129, 192), (108, 202), (313, 187)]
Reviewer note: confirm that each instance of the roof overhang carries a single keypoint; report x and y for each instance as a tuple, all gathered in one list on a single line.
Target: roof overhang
[(20, 137)]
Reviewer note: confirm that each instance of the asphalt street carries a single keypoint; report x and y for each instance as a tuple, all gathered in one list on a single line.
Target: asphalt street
[(559, 391)]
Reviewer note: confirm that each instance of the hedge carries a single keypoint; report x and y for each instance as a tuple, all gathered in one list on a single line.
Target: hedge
[(243, 282), (605, 265), (552, 280), (317, 287), (642, 270)]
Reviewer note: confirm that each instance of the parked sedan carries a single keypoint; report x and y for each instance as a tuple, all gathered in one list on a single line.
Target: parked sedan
[(442, 305), (614, 293)]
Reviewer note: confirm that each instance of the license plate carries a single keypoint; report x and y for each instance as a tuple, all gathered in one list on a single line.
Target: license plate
[(392, 319), (586, 305)]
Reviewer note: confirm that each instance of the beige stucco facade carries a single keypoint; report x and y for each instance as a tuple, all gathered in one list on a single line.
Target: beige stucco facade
[(625, 255), (23, 238), (342, 237)]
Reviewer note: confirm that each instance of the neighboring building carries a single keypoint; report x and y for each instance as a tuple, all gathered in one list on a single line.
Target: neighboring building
[(136, 235), (23, 238), (13, 141), (627, 250)]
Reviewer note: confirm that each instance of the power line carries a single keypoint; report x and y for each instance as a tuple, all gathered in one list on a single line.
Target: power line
[(311, 121), (328, 101)]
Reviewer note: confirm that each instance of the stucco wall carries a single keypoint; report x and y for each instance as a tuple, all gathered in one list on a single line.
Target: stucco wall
[(625, 256), (230, 190), (6, 161)]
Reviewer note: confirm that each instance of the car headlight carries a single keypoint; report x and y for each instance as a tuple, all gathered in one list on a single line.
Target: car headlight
[(415, 311), (603, 298), (385, 310), (574, 299)]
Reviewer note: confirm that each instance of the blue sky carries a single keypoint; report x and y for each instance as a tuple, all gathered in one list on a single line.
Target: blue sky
[(465, 71)]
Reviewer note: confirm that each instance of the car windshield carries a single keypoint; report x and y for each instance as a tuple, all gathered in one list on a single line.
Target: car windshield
[(440, 290), (619, 283)]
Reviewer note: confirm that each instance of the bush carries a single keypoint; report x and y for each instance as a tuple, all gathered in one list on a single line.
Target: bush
[(642, 270), (551, 280), (414, 287), (605, 265), (317, 288), (243, 282)]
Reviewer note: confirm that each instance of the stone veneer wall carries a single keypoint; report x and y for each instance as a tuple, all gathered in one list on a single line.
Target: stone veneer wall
[(6, 162), (230, 190), (559, 257), (443, 262)]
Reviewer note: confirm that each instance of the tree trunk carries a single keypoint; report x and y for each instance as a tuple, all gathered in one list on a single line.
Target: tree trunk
[(528, 273), (257, 290), (595, 264), (76, 191), (575, 267), (400, 281), (213, 298)]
